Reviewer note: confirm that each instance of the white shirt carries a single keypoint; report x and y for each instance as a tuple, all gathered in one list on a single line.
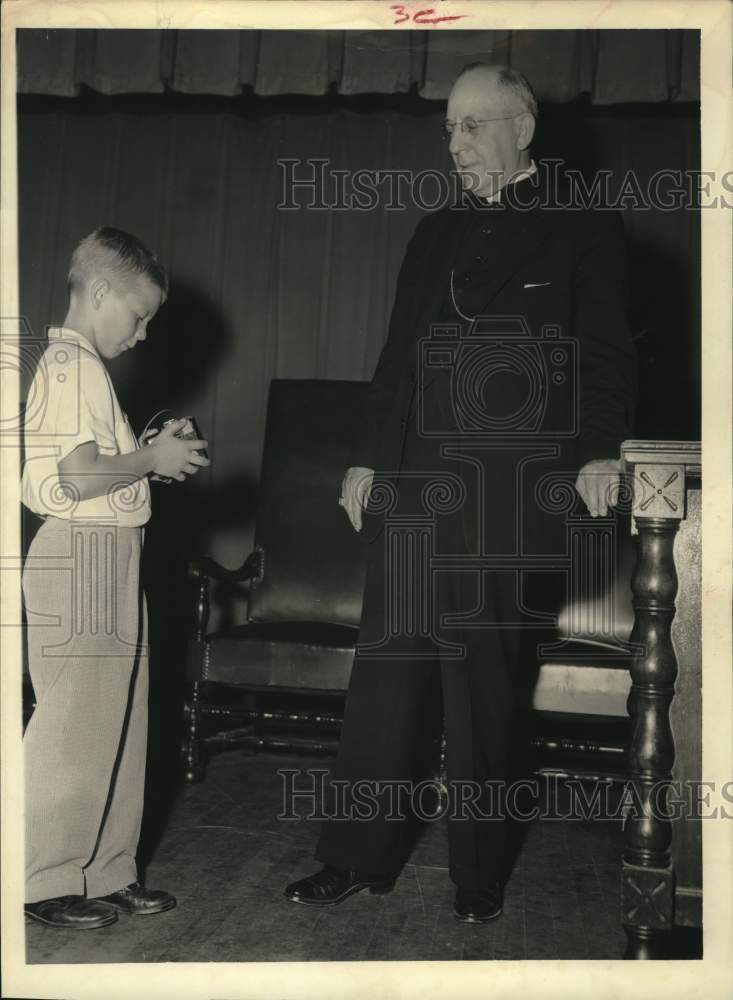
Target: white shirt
[(72, 401), (531, 169)]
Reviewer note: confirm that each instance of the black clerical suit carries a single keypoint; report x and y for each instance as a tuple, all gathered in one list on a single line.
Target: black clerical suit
[(508, 365)]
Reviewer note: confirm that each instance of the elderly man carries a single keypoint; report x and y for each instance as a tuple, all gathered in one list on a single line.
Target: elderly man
[(508, 370)]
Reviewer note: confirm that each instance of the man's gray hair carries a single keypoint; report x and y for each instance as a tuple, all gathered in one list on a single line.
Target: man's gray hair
[(509, 79)]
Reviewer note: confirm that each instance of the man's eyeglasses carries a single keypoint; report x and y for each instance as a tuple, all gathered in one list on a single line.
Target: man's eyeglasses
[(469, 126)]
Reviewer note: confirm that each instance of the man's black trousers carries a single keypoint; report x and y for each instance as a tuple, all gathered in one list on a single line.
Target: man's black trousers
[(413, 668)]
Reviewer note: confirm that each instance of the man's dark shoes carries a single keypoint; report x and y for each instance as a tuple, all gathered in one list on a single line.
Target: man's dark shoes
[(136, 899), (332, 885), (75, 913), (478, 907)]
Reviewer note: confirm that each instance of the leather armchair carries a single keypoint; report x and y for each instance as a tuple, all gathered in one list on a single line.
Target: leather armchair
[(290, 663), (304, 579)]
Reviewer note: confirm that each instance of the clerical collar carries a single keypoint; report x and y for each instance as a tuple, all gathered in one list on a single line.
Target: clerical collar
[(532, 169)]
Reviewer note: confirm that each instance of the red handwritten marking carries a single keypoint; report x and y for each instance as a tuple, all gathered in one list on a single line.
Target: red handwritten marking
[(422, 16), (400, 10)]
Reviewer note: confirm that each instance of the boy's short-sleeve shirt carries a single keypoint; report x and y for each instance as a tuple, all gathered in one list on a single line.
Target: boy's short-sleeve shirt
[(72, 401)]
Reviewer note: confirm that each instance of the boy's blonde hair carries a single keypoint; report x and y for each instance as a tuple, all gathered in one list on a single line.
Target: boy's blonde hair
[(117, 255)]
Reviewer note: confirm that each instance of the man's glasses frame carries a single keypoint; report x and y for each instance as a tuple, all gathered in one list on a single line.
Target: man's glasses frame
[(469, 126)]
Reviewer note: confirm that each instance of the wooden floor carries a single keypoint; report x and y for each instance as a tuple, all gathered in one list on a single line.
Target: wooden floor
[(219, 847)]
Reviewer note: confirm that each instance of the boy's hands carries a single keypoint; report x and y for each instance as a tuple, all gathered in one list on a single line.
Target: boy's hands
[(175, 457)]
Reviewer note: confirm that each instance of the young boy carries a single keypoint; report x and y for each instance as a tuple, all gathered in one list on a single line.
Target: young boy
[(86, 476)]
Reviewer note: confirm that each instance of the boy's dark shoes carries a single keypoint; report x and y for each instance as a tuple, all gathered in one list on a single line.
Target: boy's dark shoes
[(134, 898), (474, 907), (332, 885), (75, 913)]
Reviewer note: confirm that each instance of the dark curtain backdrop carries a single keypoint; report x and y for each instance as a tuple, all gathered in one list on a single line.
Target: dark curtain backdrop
[(260, 293), (610, 66)]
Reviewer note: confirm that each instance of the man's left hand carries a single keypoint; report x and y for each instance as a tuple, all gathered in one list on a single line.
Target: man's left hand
[(597, 483)]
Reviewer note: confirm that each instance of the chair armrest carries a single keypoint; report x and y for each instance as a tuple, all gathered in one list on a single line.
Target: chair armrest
[(204, 568), (251, 571)]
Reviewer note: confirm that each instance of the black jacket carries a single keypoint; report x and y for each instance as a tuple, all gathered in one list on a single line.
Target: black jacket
[(560, 270)]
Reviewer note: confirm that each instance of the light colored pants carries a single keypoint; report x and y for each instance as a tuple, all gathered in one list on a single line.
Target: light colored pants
[(85, 744)]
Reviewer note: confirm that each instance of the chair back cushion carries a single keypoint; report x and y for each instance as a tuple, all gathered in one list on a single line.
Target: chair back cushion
[(314, 561)]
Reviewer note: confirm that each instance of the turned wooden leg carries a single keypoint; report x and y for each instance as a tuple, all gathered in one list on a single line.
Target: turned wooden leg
[(648, 876), (191, 749)]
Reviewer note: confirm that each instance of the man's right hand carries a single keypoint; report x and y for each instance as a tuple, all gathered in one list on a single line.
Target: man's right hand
[(355, 493)]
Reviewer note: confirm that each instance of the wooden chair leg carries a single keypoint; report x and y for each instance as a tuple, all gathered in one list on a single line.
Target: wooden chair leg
[(191, 750)]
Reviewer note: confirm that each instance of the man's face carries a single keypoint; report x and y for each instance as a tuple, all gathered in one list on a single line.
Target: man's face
[(484, 155), (122, 314)]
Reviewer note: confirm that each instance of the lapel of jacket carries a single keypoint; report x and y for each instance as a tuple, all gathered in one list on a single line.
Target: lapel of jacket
[(447, 238), (524, 239)]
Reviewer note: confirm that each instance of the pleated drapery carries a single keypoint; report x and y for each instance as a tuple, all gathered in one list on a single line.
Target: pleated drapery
[(610, 66)]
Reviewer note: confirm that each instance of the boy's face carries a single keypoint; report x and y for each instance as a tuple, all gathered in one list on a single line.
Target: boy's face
[(122, 313)]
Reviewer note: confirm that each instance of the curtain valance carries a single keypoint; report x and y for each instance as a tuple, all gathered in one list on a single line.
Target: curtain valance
[(611, 66)]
